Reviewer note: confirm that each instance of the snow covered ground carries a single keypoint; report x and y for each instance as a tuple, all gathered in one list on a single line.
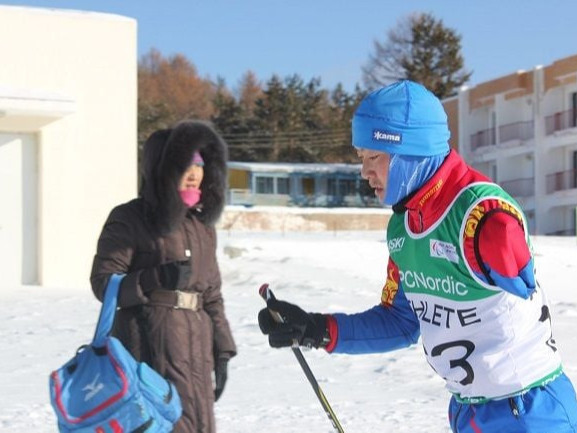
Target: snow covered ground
[(40, 328)]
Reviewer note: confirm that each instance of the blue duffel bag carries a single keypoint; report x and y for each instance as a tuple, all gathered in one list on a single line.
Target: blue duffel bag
[(103, 389)]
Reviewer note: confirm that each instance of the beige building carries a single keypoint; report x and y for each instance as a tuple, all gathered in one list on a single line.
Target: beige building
[(68, 89), (521, 130)]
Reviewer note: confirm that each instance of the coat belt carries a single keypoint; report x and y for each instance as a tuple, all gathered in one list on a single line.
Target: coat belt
[(176, 299)]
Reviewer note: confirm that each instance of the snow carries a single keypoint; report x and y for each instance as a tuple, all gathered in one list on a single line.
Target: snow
[(267, 390)]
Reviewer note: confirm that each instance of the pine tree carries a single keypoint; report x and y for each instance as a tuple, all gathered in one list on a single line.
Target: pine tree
[(227, 116), (270, 112), (421, 49), (234, 123), (341, 106)]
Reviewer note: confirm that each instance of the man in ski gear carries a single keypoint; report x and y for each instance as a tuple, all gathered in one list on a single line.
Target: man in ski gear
[(171, 307), (460, 276)]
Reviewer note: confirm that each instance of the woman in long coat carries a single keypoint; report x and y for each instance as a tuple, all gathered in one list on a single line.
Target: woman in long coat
[(172, 313)]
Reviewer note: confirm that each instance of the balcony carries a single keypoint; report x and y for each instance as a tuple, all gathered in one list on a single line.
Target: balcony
[(511, 131), (562, 180), (524, 187), (560, 121), (516, 131), (564, 232), (486, 137)]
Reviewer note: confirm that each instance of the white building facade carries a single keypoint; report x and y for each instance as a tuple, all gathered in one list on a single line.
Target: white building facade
[(68, 146), (521, 130)]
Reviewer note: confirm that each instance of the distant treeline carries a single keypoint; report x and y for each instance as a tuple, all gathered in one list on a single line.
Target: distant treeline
[(286, 118), (283, 119)]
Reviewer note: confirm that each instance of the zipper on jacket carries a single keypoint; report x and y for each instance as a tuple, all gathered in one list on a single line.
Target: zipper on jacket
[(514, 407), (188, 255), (421, 224), (188, 247)]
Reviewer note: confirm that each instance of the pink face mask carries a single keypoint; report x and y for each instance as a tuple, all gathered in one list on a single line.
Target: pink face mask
[(190, 196)]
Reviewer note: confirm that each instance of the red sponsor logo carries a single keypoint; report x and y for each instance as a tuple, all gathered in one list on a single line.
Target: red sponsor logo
[(391, 285)]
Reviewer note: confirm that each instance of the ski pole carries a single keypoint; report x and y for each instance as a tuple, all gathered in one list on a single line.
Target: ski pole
[(267, 294)]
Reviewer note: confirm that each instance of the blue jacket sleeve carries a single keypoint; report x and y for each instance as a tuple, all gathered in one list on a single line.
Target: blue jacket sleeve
[(382, 328)]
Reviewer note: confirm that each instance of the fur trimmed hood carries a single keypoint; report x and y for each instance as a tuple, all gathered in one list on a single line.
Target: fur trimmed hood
[(167, 155)]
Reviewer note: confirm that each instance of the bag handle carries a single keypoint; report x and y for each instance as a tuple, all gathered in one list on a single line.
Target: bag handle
[(108, 310)]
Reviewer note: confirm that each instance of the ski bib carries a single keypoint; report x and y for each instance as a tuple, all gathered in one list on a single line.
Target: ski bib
[(483, 341)]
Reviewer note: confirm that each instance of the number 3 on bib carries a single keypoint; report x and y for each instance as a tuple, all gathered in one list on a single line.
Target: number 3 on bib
[(462, 363)]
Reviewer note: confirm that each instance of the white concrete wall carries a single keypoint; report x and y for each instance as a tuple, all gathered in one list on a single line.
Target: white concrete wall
[(515, 110), (18, 184), (70, 79)]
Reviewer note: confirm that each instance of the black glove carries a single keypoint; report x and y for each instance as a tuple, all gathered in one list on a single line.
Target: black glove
[(220, 376), (308, 329), (174, 275)]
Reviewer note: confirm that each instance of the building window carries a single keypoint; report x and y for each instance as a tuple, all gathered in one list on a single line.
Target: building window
[(574, 170), (573, 109), (341, 187), (264, 185), (493, 128), (348, 186), (282, 185), (331, 186)]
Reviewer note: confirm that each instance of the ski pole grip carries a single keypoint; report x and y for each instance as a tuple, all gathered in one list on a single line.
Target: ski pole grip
[(266, 293)]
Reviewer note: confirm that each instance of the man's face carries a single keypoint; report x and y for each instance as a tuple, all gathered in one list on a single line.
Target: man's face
[(376, 170)]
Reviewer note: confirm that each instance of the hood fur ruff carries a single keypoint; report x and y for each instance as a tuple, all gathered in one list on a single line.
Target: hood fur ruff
[(167, 155)]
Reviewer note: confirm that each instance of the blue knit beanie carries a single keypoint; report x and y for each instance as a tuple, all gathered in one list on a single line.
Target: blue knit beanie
[(403, 118)]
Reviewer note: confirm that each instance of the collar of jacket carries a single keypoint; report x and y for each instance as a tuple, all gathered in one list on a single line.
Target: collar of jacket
[(194, 210), (428, 203)]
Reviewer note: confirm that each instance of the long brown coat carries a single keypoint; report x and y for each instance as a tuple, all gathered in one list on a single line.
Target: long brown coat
[(180, 344)]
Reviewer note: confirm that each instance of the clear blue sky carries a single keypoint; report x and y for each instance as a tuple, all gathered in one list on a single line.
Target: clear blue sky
[(332, 39)]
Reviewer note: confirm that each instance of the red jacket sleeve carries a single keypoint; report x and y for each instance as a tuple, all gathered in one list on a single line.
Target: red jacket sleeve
[(501, 253), (502, 244)]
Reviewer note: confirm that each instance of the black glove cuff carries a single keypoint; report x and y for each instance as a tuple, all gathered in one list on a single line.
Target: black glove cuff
[(317, 334)]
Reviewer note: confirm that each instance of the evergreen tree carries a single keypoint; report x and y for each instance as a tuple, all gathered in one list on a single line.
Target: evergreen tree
[(270, 112), (285, 120), (341, 108), (227, 117), (421, 49), (231, 120)]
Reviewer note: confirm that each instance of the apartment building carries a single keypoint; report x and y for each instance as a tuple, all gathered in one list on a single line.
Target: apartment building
[(521, 130)]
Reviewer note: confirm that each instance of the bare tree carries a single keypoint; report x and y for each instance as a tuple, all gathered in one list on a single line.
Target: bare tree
[(420, 48), (170, 89), (249, 90)]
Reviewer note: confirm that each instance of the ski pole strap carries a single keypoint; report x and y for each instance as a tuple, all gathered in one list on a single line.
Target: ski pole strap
[(108, 310)]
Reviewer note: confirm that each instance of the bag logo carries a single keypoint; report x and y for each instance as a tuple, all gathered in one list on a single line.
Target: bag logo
[(391, 137), (93, 388), (443, 250)]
